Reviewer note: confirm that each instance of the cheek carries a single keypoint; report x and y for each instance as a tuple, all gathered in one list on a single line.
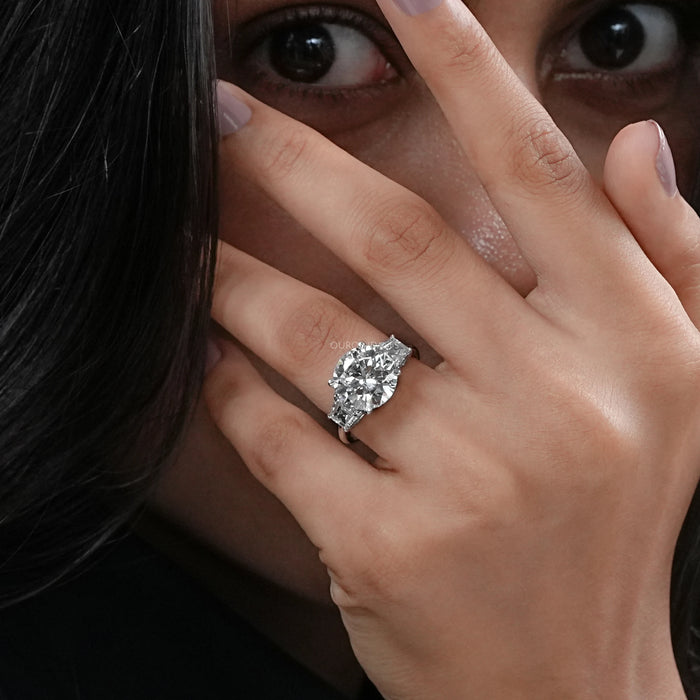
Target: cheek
[(592, 145), (415, 147), (252, 222), (591, 128)]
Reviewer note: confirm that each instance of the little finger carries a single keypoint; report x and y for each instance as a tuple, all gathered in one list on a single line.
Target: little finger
[(640, 180), (325, 486)]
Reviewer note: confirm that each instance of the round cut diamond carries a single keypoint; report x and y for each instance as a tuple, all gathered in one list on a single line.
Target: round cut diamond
[(365, 378)]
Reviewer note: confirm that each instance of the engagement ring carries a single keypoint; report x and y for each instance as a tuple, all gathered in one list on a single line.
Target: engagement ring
[(364, 379)]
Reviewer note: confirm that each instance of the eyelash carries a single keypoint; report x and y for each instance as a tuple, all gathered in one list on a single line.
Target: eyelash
[(639, 85), (380, 34), (686, 13), (250, 34)]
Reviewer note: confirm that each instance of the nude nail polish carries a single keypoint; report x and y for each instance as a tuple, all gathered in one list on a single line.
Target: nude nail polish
[(233, 114), (416, 7), (665, 166)]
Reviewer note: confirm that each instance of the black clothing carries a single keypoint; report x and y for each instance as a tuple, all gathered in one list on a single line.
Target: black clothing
[(137, 627)]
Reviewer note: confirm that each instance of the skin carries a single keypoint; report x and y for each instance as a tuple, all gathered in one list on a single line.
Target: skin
[(210, 493)]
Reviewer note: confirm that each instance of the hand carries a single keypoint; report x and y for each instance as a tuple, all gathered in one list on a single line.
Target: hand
[(514, 537)]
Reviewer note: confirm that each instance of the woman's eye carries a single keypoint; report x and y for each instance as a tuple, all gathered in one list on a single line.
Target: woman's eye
[(332, 66), (626, 38), (325, 54)]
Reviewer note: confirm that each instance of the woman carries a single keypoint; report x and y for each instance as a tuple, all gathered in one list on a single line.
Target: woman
[(182, 496), (579, 93)]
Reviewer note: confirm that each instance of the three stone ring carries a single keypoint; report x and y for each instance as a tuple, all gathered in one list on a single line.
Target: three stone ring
[(365, 378)]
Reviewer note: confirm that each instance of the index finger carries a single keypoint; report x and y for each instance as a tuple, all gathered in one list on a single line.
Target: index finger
[(531, 172)]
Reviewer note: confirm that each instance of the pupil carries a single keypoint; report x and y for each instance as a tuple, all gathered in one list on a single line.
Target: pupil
[(613, 39), (302, 53)]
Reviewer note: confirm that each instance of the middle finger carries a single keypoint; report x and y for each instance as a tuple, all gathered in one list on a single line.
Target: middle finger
[(566, 228)]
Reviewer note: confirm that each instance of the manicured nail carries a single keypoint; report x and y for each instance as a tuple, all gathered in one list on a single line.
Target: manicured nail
[(417, 7), (665, 166), (213, 355), (233, 114)]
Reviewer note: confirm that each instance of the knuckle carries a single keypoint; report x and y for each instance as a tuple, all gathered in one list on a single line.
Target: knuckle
[(606, 442), (273, 443), (307, 331), (343, 596), (388, 560), (350, 594), (465, 53), (406, 237), (542, 158), (374, 571), (616, 445), (281, 156)]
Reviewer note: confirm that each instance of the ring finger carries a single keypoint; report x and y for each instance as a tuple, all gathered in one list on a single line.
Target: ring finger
[(301, 332)]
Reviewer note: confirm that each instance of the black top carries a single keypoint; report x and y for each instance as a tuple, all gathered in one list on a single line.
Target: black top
[(137, 627)]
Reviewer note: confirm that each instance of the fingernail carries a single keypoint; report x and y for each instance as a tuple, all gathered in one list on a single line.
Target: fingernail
[(213, 355), (417, 7), (665, 166), (233, 114)]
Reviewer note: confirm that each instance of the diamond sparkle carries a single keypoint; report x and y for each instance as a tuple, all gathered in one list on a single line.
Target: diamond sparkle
[(366, 378)]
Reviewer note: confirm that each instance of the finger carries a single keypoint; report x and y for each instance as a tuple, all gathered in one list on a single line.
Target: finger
[(388, 235), (640, 180), (302, 333), (563, 224), (323, 484)]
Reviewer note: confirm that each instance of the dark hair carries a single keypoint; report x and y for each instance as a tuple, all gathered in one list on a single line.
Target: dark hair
[(107, 234)]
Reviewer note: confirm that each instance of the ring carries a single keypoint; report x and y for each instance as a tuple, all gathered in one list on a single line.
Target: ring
[(365, 378)]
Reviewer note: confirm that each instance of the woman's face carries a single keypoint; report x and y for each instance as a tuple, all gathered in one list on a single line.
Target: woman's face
[(336, 66), (595, 66)]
